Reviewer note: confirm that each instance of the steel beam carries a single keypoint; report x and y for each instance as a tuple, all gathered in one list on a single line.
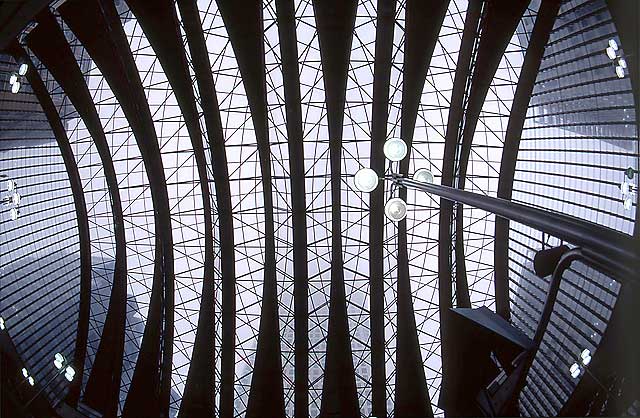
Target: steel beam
[(60, 134), (14, 16), (285, 14), (97, 26), (456, 113), (539, 36), (422, 26), (498, 24), (159, 21), (380, 110), (599, 243), (335, 20), (244, 23), (199, 393), (48, 42)]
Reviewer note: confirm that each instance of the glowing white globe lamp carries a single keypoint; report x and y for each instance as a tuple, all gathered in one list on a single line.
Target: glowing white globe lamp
[(395, 149), (395, 209), (423, 176), (366, 180)]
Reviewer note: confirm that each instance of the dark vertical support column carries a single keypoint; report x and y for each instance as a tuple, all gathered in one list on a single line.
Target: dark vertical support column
[(533, 57), (97, 26), (49, 43), (198, 398), (381, 77), (159, 21), (498, 23), (244, 23), (50, 111), (456, 113), (285, 11), (335, 21), (422, 26)]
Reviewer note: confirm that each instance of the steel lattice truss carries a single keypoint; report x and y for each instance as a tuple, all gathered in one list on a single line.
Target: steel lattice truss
[(263, 198)]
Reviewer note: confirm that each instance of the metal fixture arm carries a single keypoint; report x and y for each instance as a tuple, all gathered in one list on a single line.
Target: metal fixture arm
[(607, 247)]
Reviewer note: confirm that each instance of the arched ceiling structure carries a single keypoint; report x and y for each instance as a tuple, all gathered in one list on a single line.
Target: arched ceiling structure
[(229, 265)]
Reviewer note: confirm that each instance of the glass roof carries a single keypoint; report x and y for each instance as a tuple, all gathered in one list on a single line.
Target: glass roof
[(248, 188)]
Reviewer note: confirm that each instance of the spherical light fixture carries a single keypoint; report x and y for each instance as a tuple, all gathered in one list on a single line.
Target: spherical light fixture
[(25, 372), (31, 381), (619, 71), (622, 62), (613, 44), (23, 68), (574, 370), (627, 203), (13, 214), (586, 356), (611, 53), (69, 373), (15, 87), (423, 176), (11, 185), (58, 361), (366, 180), (16, 198), (13, 78), (395, 209), (3, 325), (625, 188), (395, 149)]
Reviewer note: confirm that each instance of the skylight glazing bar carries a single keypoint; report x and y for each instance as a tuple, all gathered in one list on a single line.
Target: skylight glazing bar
[(240, 310), (108, 308), (296, 380), (123, 77), (32, 274), (176, 122)]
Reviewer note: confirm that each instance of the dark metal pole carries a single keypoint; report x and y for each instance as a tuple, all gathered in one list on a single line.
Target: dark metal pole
[(597, 242)]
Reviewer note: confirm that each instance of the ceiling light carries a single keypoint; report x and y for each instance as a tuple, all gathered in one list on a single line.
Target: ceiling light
[(586, 356), (574, 370), (366, 180), (25, 372), (15, 198), (58, 361), (619, 72), (611, 53), (31, 381), (627, 203), (622, 62), (69, 373), (11, 185), (13, 214), (15, 87), (3, 326), (613, 44), (13, 79), (423, 176), (625, 188), (23, 68), (395, 149), (395, 209)]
